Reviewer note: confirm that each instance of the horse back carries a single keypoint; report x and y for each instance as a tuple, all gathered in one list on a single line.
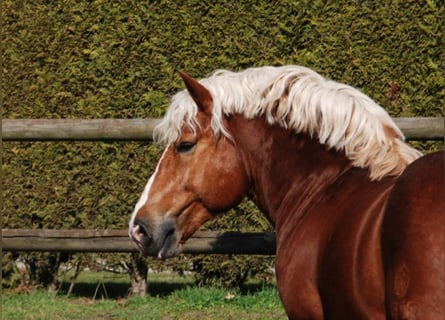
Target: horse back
[(413, 241)]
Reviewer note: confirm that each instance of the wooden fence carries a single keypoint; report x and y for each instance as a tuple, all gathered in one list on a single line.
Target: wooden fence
[(206, 242), (142, 129), (118, 240)]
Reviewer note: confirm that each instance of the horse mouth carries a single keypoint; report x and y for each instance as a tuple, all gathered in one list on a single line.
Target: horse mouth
[(170, 246), (162, 243)]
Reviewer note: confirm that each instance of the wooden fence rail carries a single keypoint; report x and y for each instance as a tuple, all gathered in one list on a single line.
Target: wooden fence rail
[(142, 129), (202, 242), (78, 129)]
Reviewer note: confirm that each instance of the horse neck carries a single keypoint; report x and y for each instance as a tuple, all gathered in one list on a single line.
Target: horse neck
[(282, 164)]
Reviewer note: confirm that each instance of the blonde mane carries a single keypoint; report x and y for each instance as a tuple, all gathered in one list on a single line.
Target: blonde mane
[(298, 98)]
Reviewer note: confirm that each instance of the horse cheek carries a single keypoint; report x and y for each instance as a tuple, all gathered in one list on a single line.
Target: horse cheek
[(233, 185)]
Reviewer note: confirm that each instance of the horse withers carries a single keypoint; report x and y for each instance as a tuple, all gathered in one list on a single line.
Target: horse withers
[(358, 213)]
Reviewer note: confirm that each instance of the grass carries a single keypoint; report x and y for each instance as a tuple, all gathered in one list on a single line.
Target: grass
[(171, 297)]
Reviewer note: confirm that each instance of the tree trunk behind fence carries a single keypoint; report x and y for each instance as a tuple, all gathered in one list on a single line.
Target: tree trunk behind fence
[(138, 273)]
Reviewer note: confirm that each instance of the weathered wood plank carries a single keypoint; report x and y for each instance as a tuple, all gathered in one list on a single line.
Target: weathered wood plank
[(142, 129), (78, 129), (202, 242), (418, 128)]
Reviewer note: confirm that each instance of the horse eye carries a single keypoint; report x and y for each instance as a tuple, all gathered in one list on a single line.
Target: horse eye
[(184, 147)]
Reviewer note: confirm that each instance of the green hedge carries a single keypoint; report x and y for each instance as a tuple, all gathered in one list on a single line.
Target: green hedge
[(119, 59)]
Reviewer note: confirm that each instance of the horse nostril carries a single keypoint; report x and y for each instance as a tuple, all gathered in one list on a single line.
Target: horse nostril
[(140, 232)]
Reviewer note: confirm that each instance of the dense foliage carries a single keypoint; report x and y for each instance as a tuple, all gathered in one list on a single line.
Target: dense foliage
[(119, 59)]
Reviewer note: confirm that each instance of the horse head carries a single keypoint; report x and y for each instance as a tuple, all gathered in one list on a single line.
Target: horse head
[(199, 175)]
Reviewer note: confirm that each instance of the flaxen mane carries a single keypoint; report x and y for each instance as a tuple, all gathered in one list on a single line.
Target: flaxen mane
[(298, 98)]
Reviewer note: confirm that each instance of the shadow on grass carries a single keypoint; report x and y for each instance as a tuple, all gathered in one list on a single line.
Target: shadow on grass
[(117, 290), (113, 290)]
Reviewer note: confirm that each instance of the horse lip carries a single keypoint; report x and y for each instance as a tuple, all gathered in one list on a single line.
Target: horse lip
[(164, 244), (165, 252), (169, 246)]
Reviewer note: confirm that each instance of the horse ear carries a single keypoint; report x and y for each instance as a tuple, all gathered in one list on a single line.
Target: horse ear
[(199, 93)]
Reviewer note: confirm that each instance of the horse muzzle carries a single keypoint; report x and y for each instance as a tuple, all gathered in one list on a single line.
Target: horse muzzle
[(159, 241)]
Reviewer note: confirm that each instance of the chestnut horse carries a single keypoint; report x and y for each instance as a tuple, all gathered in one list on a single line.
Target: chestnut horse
[(358, 214)]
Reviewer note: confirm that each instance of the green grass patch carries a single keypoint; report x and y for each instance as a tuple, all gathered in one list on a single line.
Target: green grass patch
[(187, 303), (170, 297)]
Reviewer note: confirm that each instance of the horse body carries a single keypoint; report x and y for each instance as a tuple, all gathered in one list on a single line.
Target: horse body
[(413, 241), (327, 178), (327, 215)]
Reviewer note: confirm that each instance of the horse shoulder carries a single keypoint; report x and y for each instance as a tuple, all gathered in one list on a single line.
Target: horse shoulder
[(334, 252)]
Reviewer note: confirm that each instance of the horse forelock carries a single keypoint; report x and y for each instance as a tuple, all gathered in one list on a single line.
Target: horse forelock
[(297, 98)]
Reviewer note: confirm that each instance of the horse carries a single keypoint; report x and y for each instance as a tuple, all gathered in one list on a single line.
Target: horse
[(358, 213)]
